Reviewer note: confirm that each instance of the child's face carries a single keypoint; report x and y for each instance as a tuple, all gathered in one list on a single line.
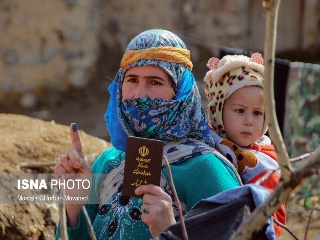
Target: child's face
[(243, 115)]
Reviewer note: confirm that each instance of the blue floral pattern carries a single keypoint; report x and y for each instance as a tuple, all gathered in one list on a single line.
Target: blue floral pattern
[(167, 120)]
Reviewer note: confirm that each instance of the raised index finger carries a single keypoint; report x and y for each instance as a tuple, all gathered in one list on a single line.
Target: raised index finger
[(75, 139)]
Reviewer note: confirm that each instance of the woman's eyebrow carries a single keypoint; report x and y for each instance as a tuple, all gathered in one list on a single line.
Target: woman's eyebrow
[(148, 76), (154, 77), (131, 75)]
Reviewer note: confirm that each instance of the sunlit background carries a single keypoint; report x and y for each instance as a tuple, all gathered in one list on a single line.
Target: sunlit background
[(57, 58)]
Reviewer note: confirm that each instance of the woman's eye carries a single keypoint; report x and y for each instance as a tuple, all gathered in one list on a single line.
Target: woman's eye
[(154, 82), (132, 80)]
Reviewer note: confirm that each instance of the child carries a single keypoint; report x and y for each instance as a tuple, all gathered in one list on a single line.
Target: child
[(234, 88)]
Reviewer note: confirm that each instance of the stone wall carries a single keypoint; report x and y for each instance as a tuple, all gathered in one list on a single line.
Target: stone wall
[(44, 46), (48, 48)]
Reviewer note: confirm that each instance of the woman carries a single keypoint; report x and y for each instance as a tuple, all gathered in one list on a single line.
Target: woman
[(154, 95)]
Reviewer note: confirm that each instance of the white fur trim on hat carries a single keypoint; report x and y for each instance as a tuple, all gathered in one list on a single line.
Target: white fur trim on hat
[(231, 62)]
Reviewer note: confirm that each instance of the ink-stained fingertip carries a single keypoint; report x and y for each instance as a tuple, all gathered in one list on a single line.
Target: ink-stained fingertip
[(74, 127)]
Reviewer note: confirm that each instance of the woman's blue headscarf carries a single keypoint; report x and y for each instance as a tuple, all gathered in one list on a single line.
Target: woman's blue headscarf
[(168, 120)]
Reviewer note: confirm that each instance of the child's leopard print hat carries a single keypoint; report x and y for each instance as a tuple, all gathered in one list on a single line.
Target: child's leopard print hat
[(225, 77)]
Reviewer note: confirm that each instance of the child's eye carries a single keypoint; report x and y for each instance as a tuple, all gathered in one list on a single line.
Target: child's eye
[(258, 113), (239, 110)]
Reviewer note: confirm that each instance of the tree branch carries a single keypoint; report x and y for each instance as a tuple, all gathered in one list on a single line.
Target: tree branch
[(63, 214), (183, 227), (286, 228), (89, 225), (290, 179), (281, 194), (272, 9)]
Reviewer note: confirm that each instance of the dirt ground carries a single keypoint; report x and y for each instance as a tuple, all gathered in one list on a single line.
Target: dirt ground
[(25, 139), (297, 221), (28, 140)]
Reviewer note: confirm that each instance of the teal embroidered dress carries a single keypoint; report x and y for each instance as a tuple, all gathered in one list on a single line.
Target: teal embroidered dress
[(119, 217)]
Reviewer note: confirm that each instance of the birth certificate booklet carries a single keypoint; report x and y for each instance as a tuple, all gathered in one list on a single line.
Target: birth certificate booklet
[(142, 164)]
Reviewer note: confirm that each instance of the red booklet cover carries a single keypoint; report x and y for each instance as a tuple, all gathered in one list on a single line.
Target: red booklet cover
[(142, 164)]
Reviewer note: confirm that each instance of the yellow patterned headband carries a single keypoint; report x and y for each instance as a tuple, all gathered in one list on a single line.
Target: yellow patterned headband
[(167, 54)]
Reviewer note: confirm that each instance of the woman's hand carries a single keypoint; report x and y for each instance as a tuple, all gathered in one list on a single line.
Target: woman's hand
[(159, 214), (74, 166)]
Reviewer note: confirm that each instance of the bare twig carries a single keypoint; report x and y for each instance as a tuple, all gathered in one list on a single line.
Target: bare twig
[(246, 211), (309, 220), (90, 228), (270, 172), (63, 219), (286, 228), (184, 231), (272, 9), (266, 176), (300, 158)]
